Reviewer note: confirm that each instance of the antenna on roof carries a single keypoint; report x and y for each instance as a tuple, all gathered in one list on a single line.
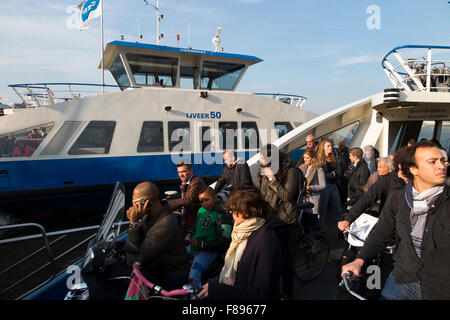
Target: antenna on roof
[(216, 40), (159, 18)]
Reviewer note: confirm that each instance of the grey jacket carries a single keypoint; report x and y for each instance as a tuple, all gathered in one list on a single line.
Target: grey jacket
[(317, 184)]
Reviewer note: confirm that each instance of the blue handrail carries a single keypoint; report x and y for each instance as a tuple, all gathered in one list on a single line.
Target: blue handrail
[(411, 46)]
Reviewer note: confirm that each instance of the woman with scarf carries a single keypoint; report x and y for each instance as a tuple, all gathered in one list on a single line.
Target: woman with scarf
[(253, 261)]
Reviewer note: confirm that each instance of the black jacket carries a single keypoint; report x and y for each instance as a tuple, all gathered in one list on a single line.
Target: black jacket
[(238, 174), (431, 269), (258, 271), (380, 190), (357, 180), (158, 245)]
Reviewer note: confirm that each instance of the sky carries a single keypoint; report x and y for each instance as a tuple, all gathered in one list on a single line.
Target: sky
[(327, 50)]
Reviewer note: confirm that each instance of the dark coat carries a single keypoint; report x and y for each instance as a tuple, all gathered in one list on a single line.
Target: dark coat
[(281, 196), (238, 174), (157, 244), (358, 178), (258, 272), (380, 190), (432, 268), (189, 201)]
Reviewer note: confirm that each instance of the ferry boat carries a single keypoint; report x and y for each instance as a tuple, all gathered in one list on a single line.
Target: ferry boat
[(171, 104), (417, 106)]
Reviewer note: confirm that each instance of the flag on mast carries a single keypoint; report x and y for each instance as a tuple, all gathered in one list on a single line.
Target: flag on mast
[(89, 9)]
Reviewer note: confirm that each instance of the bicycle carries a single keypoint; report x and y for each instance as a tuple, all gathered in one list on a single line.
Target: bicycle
[(140, 289), (307, 263), (383, 260)]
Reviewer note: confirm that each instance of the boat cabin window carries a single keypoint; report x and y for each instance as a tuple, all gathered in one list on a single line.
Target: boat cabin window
[(401, 131), (282, 128), (152, 138), (250, 135), (179, 136), (220, 75), (344, 134), (23, 143), (153, 70), (61, 138), (119, 74), (95, 139), (444, 137), (228, 135)]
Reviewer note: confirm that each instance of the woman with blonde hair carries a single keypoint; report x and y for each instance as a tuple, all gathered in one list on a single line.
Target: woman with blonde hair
[(315, 182), (329, 196)]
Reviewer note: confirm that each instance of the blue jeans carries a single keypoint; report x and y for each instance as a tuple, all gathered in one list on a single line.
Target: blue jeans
[(400, 291), (200, 262), (329, 198)]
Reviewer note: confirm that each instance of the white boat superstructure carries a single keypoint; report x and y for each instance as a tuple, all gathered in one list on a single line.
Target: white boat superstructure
[(418, 107)]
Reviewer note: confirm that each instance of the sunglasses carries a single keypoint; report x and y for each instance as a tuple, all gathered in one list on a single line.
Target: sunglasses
[(267, 165), (142, 201)]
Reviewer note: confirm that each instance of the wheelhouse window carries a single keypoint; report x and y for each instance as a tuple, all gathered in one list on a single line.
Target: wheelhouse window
[(189, 77), (151, 139), (228, 135), (23, 143), (250, 135), (153, 70), (179, 136), (95, 139), (119, 74), (220, 75), (282, 128)]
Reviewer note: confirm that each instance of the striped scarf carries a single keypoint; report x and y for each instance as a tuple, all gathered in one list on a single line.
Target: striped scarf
[(420, 204)]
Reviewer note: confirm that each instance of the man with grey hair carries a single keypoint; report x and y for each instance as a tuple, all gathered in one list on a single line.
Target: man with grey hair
[(380, 190)]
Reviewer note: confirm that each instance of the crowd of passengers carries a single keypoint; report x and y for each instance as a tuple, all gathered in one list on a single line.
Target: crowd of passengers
[(243, 226), (10, 146)]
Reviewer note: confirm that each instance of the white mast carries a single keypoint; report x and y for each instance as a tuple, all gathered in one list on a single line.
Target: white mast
[(103, 49), (158, 20)]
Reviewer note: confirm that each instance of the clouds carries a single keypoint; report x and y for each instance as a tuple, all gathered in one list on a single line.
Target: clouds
[(343, 62)]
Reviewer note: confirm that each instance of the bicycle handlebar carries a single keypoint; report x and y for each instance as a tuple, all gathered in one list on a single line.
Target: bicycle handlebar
[(158, 289), (347, 287)]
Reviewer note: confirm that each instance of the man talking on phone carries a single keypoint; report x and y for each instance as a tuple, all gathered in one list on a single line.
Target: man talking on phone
[(155, 239)]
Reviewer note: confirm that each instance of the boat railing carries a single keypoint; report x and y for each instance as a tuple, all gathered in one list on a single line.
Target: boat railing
[(430, 73), (26, 279), (290, 99), (42, 94)]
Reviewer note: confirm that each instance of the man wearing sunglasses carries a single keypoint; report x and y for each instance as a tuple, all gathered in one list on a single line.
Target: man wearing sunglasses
[(155, 239)]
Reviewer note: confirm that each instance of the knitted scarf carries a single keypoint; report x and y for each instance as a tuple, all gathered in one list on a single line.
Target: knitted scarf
[(239, 237), (420, 204)]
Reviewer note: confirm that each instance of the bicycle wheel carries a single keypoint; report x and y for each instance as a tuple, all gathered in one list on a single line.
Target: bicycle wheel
[(308, 265)]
